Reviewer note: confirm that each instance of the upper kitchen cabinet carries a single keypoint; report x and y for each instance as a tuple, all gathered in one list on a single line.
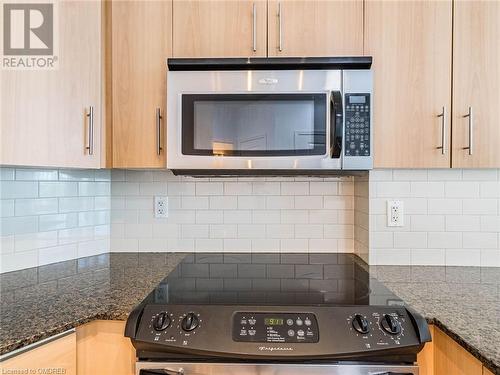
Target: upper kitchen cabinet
[(141, 43), (53, 117), (476, 84), (301, 28), (226, 28), (410, 42)]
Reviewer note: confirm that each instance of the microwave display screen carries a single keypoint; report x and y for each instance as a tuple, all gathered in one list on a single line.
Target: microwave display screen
[(357, 100), (254, 124)]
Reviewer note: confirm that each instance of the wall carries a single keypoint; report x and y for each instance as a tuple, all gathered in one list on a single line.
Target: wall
[(50, 215), (300, 214), (451, 217)]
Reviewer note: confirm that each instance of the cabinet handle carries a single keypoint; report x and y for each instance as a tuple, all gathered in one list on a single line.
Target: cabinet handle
[(443, 131), (254, 27), (158, 131), (471, 125), (280, 16), (90, 146)]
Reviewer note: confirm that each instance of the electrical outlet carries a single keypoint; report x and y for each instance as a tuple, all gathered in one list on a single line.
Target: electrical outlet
[(161, 207), (395, 213)]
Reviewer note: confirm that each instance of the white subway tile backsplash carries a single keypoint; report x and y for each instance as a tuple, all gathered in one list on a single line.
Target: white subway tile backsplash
[(280, 202), (427, 189), (7, 174), (209, 188), (237, 217), (266, 216), (57, 221), (427, 223), (295, 188), (393, 189), (280, 231), (51, 206), (7, 207), (210, 217), (462, 189), (438, 240), (224, 231), (294, 216), (455, 223), (266, 188), (36, 174), (223, 202), (76, 175), (39, 206), (310, 202), (18, 225), (32, 241), (194, 203), (451, 216), (480, 240), (237, 245), (309, 231), (463, 257), (251, 202), (76, 204), (237, 188), (93, 189), (480, 207), (480, 174), (58, 189), (445, 206), (18, 189)]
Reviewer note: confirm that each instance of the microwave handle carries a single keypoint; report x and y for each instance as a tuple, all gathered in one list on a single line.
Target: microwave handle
[(336, 124)]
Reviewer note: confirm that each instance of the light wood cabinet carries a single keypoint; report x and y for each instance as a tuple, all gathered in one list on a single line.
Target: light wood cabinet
[(410, 42), (102, 348), (57, 354), (443, 356), (219, 28), (140, 43), (451, 358), (315, 28), (476, 84), (43, 112)]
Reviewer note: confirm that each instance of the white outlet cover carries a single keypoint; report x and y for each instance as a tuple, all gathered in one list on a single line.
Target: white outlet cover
[(395, 213), (161, 207)]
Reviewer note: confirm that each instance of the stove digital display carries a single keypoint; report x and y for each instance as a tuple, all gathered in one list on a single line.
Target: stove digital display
[(273, 321)]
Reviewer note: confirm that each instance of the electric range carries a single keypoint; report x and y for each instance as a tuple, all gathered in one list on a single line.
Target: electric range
[(274, 314)]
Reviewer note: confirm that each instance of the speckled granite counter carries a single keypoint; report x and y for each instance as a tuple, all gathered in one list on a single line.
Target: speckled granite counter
[(464, 302), (37, 303)]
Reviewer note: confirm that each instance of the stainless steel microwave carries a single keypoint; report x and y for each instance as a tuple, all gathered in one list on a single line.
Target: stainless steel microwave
[(259, 115)]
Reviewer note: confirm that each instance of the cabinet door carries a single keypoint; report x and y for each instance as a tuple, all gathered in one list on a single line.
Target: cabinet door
[(103, 349), (141, 44), (219, 28), (315, 28), (43, 114), (410, 42), (57, 354), (476, 84)]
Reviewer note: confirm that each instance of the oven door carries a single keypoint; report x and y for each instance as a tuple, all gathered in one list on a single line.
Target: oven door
[(152, 368), (258, 120)]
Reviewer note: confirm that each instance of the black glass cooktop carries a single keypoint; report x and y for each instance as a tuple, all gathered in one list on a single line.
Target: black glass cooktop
[(271, 279)]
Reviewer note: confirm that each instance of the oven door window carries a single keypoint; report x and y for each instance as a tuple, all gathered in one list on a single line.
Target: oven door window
[(254, 124)]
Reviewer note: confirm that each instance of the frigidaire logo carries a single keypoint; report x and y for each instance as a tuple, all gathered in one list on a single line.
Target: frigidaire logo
[(275, 348), (29, 37)]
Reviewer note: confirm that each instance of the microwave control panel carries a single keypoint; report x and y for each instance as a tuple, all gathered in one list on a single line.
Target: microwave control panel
[(357, 124)]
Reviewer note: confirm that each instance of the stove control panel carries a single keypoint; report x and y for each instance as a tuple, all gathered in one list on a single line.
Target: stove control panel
[(275, 327), (275, 331)]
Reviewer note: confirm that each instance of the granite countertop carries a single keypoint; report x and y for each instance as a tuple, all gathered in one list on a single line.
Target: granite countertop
[(464, 302), (40, 302)]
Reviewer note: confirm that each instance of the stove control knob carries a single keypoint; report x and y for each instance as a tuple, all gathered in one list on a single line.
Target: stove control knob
[(390, 325), (162, 321), (190, 322), (360, 324)]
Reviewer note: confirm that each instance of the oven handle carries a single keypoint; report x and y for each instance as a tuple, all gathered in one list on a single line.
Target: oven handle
[(336, 124)]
